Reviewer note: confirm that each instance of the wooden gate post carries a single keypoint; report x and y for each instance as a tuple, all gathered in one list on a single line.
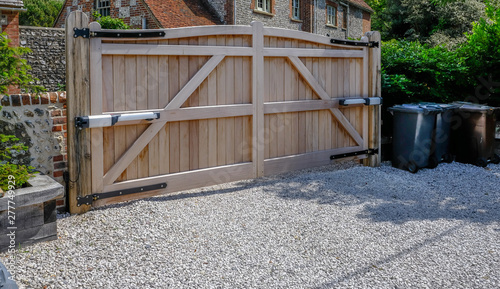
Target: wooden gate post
[(258, 98), (374, 90), (78, 104)]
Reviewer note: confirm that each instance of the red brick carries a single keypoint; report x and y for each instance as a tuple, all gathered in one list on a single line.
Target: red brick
[(66, 135), (58, 158), (59, 120), (53, 97), (35, 99), (44, 99), (55, 113), (57, 128), (65, 127), (60, 203), (58, 174), (64, 112), (25, 99)]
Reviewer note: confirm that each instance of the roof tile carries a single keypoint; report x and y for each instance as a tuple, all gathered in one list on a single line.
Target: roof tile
[(181, 13)]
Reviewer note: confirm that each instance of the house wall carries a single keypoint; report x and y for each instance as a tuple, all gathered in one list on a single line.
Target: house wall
[(359, 20), (280, 16), (39, 121), (48, 56), (355, 21), (131, 11)]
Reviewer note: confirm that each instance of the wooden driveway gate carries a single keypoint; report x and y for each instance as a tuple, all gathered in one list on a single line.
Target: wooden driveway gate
[(234, 102)]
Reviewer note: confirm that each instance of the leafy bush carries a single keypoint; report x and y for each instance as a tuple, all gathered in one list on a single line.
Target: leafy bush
[(109, 23), (483, 55), (8, 145), (20, 173), (42, 13), (412, 71), (14, 69)]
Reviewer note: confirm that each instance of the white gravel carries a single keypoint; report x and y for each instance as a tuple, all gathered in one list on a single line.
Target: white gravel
[(341, 226)]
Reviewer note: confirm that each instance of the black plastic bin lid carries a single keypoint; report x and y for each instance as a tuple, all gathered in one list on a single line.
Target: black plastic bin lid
[(475, 107), (416, 108)]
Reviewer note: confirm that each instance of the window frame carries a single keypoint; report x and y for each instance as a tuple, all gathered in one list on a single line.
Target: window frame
[(266, 5), (296, 9), (333, 15), (100, 8)]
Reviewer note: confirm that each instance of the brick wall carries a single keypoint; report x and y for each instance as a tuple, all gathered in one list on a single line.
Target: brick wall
[(40, 123), (131, 11)]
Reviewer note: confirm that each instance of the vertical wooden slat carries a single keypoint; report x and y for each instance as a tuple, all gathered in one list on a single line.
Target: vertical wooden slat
[(96, 102), (302, 115), (203, 124), (119, 105), (78, 95), (130, 66), (247, 98), (212, 123), (194, 146), (309, 114), (258, 98), (230, 88), (142, 98), (273, 76), (221, 99), (238, 98), (153, 102), (287, 117), (184, 134), (163, 99), (315, 117), (174, 134)]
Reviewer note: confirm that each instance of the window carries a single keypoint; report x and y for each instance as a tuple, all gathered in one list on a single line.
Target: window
[(264, 5), (331, 15), (295, 9), (103, 7)]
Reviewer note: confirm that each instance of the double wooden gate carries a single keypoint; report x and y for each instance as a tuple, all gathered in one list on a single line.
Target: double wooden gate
[(235, 102)]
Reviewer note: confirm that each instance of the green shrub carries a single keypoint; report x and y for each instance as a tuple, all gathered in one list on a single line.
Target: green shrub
[(483, 56), (109, 23), (412, 71), (21, 173), (40, 13), (14, 69)]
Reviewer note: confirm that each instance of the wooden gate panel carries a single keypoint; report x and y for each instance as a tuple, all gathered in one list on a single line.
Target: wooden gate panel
[(235, 102)]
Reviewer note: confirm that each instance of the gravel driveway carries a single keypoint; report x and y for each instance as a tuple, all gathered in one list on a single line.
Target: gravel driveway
[(340, 226)]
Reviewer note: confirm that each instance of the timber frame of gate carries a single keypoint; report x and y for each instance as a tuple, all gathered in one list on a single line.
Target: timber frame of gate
[(86, 145)]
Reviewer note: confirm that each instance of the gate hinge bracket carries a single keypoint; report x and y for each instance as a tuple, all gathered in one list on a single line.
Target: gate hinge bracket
[(370, 152), (87, 200), (83, 32), (371, 44)]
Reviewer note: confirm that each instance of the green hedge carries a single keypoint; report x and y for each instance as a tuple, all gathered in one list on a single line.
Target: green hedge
[(412, 71)]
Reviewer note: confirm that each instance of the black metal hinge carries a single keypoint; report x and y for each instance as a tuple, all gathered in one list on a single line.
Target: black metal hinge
[(85, 33), (370, 44), (87, 200), (353, 154)]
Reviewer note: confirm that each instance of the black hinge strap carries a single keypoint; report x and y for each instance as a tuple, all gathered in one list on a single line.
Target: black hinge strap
[(346, 155), (370, 44), (87, 200), (85, 33)]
